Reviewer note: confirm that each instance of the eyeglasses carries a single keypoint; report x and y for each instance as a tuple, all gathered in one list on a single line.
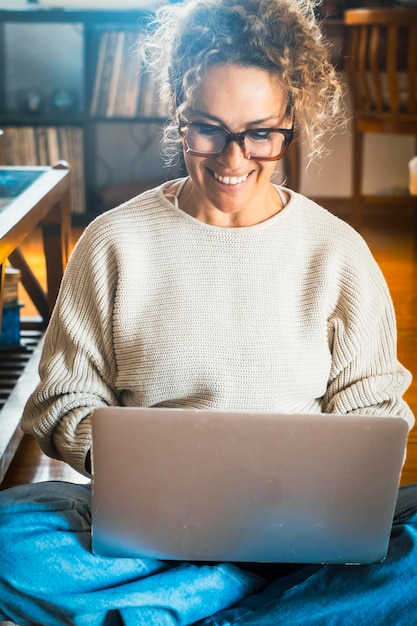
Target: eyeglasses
[(262, 144)]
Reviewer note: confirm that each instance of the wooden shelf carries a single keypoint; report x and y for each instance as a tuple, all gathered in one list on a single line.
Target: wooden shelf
[(89, 150), (18, 375)]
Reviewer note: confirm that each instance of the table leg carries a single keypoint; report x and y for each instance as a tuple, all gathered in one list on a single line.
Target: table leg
[(56, 230)]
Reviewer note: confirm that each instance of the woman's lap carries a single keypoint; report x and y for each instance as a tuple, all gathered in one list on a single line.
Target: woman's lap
[(362, 595), (50, 576)]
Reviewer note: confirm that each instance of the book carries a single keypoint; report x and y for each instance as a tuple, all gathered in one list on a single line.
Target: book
[(116, 74), (107, 72), (98, 73), (128, 76), (134, 79), (11, 285)]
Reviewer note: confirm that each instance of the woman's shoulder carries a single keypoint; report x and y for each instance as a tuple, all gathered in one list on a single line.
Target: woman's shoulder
[(321, 224), (146, 208), (124, 228), (335, 252), (328, 240), (133, 209)]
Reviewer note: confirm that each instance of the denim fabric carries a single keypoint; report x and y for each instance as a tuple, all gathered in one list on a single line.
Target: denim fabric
[(49, 576), (343, 595)]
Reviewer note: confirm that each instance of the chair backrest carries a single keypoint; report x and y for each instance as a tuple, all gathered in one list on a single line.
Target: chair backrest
[(381, 60)]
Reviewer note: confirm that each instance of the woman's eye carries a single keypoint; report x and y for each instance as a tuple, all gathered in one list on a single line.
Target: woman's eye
[(259, 135), (207, 130)]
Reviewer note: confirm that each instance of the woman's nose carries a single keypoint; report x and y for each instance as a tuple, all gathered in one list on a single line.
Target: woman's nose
[(233, 155)]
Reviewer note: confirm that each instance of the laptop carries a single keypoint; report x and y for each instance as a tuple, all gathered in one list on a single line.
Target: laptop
[(201, 485)]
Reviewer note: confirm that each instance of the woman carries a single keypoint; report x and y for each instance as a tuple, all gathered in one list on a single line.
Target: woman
[(219, 290)]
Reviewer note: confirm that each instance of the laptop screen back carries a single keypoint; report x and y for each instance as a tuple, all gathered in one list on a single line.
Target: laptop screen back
[(213, 486)]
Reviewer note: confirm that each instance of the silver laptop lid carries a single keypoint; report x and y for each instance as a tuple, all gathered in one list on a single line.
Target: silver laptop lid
[(216, 486)]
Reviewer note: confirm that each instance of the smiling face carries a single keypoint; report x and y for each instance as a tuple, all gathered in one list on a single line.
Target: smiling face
[(229, 189)]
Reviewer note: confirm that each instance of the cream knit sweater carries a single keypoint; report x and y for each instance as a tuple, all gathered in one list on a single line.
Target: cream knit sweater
[(157, 308)]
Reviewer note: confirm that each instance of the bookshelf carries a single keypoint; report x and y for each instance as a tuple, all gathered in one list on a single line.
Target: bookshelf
[(72, 87)]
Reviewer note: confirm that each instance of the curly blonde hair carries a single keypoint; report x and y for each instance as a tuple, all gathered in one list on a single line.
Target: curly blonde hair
[(280, 36)]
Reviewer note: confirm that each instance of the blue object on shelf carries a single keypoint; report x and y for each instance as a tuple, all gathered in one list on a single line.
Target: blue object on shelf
[(10, 324)]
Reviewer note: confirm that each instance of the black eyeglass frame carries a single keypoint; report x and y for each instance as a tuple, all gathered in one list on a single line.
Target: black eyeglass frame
[(288, 134)]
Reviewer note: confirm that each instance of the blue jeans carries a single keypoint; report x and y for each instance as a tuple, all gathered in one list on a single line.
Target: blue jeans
[(49, 576)]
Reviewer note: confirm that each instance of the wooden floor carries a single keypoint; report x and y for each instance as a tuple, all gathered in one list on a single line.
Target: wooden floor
[(392, 238)]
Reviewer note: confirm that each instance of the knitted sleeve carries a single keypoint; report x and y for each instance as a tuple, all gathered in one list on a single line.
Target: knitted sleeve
[(77, 367), (366, 376)]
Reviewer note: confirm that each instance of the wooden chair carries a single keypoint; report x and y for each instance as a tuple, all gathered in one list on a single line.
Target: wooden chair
[(381, 65)]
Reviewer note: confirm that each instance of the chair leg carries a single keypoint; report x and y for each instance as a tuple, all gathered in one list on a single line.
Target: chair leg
[(415, 208), (356, 213)]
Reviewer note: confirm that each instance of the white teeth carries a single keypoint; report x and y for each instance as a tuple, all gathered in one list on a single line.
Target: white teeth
[(230, 180)]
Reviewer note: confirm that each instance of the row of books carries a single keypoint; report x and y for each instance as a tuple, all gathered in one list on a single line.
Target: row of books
[(100, 4), (122, 87), (45, 145)]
